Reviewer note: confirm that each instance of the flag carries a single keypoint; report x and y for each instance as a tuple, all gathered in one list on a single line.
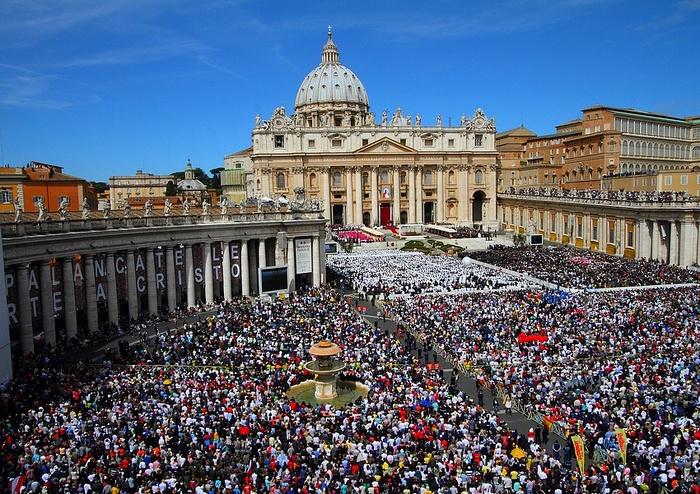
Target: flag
[(621, 436), (580, 452)]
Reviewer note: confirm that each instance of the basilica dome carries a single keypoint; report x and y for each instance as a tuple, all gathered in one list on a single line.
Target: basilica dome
[(332, 82)]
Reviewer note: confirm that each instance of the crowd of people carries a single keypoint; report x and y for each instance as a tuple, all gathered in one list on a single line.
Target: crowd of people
[(203, 410), (586, 362), (353, 234), (577, 268), (394, 272), (603, 195)]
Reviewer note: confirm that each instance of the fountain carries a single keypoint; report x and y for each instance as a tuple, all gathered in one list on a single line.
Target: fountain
[(325, 386)]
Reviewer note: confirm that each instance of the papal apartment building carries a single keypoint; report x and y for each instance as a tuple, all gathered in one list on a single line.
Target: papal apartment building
[(604, 142)]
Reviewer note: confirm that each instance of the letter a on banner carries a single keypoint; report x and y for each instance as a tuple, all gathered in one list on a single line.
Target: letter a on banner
[(580, 452), (621, 436)]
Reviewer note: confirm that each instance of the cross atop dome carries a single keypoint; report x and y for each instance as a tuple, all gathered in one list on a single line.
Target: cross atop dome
[(330, 52)]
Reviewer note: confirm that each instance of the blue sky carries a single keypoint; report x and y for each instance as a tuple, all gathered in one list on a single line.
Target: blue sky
[(108, 87)]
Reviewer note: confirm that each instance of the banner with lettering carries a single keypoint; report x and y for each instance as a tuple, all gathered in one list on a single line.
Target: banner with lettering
[(235, 248), (180, 280), (580, 452)]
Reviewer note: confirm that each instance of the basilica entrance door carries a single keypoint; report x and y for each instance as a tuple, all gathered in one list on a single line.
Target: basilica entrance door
[(337, 214), (428, 212), (385, 214)]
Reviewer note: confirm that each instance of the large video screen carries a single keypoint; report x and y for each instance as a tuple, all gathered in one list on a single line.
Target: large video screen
[(331, 248), (273, 279), (536, 239)]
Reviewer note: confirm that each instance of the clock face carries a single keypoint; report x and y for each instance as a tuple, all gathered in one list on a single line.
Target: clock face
[(278, 121)]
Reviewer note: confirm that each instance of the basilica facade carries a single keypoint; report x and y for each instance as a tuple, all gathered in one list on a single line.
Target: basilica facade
[(391, 169)]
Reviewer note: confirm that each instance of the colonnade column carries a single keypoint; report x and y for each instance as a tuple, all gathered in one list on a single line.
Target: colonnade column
[(170, 274), (348, 196), (316, 257), (396, 208), (245, 276), (440, 194), (112, 297), (69, 298), (151, 281), (262, 256), (189, 274), (673, 243), (687, 243), (208, 274), (641, 240), (47, 318), (359, 196), (654, 248), (226, 263), (90, 294), (412, 194), (131, 285), (291, 268), (25, 310), (373, 196)]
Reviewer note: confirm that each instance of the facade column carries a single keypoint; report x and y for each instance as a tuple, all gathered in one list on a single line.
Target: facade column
[(151, 282), (654, 247), (69, 299), (316, 257), (189, 274), (90, 294), (373, 217), (47, 317), (396, 196), (419, 194), (412, 194), (359, 196), (348, 196), (131, 285), (112, 297), (262, 255), (245, 271), (462, 196), (326, 193), (25, 310), (226, 266), (170, 275), (441, 194), (291, 267), (208, 274)]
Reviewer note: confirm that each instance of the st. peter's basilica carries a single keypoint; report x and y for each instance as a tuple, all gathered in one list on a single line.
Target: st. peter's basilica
[(401, 169)]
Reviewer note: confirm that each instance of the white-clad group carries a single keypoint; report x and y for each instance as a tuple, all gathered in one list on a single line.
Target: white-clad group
[(395, 272)]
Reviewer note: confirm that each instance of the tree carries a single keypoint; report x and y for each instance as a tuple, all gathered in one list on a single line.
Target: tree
[(99, 187), (170, 188), (215, 182)]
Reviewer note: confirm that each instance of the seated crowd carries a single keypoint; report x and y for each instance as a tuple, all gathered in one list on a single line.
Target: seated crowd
[(577, 268), (604, 360), (392, 272), (603, 195), (203, 410)]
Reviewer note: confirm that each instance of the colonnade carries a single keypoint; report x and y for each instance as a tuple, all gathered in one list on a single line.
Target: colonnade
[(116, 286), (647, 234)]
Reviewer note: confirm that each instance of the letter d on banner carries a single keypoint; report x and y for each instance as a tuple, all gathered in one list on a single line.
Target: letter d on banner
[(580, 452)]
